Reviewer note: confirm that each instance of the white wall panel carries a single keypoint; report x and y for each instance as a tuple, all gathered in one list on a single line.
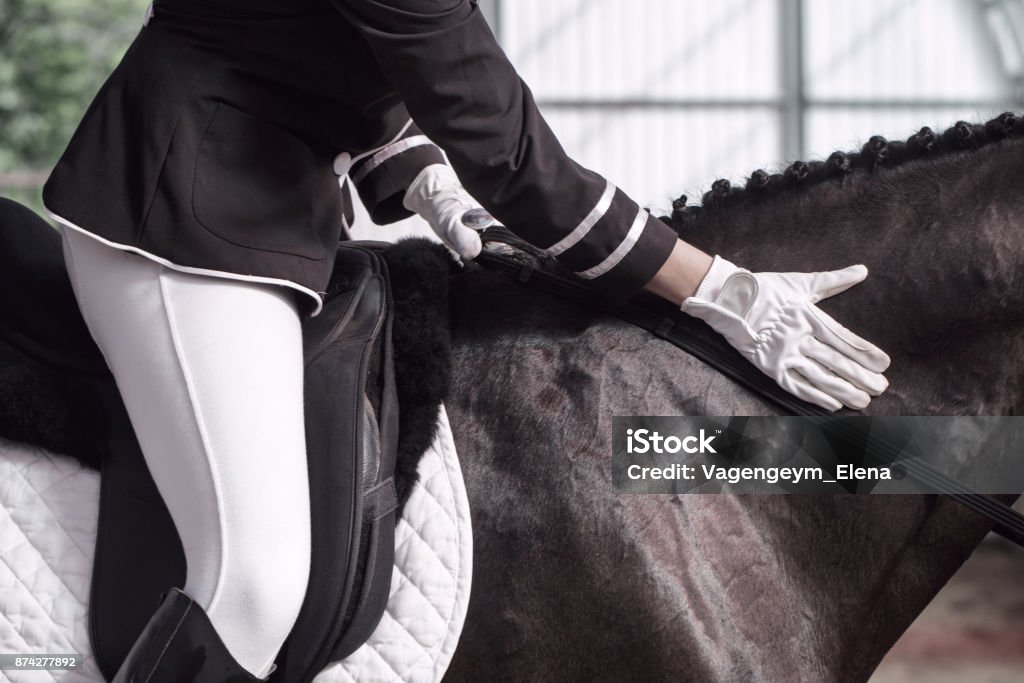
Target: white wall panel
[(656, 155), (904, 49), (641, 49)]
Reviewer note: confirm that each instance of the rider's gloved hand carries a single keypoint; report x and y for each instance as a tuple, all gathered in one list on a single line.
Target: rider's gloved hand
[(772, 319), (439, 198)]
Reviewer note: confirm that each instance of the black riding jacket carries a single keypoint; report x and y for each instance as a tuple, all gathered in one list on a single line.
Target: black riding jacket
[(223, 132)]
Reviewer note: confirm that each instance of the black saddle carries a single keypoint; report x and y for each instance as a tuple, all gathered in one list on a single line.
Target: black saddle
[(355, 441)]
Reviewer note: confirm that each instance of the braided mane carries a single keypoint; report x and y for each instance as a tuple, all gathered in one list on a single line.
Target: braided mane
[(878, 153)]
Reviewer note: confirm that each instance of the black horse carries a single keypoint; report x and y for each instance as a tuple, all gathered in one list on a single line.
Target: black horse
[(574, 582)]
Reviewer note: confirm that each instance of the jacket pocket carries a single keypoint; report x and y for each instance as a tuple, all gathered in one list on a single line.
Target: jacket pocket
[(255, 185)]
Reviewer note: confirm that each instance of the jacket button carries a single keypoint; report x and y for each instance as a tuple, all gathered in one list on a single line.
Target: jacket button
[(342, 163)]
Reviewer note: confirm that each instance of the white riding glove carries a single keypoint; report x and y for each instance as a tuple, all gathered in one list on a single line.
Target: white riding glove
[(772, 319), (439, 198)]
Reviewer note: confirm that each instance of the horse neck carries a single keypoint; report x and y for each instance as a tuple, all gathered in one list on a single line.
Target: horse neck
[(943, 240)]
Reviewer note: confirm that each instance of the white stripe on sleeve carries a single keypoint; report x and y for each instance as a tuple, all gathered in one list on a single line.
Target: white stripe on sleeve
[(632, 237), (388, 152), (589, 222)]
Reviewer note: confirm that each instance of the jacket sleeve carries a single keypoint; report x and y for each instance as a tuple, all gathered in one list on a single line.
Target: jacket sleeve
[(461, 89), (382, 176)]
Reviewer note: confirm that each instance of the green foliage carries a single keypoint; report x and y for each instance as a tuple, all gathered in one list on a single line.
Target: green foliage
[(54, 55)]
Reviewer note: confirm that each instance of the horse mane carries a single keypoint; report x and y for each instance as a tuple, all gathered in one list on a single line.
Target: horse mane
[(875, 155)]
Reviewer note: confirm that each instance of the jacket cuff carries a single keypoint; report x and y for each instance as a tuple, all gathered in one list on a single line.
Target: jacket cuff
[(382, 178), (617, 246)]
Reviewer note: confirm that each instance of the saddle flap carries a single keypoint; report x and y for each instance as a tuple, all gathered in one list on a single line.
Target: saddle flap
[(351, 444), (138, 550)]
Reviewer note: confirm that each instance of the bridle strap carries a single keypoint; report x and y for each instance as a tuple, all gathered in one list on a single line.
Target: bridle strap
[(665, 321)]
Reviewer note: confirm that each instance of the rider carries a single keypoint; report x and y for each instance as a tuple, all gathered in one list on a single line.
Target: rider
[(200, 207)]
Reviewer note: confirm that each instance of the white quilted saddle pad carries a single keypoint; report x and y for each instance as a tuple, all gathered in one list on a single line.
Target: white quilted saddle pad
[(48, 513)]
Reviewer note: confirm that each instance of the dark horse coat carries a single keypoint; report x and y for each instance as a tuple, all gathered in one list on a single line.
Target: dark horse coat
[(217, 143)]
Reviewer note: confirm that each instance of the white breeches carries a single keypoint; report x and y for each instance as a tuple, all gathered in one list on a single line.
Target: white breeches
[(210, 370)]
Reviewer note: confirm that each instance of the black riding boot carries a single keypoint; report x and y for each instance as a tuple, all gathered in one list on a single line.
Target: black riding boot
[(180, 645)]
